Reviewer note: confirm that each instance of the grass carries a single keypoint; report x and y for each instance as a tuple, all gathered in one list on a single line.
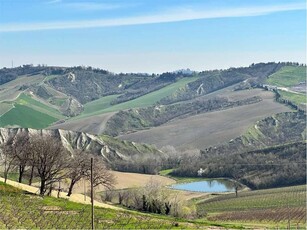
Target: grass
[(143, 101), (26, 211), (296, 98), (97, 105), (288, 76), (27, 100), (5, 107), (29, 113), (24, 116)]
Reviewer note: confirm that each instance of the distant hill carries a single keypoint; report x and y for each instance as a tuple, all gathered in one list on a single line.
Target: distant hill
[(110, 149), (271, 153), (77, 98)]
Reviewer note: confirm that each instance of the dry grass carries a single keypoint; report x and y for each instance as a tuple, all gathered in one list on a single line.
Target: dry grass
[(126, 180)]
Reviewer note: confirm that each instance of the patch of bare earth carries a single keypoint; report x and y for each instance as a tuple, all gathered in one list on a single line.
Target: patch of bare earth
[(207, 129)]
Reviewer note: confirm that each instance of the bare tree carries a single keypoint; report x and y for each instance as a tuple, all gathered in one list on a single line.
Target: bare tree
[(7, 157), (21, 150), (80, 165), (51, 160), (101, 174)]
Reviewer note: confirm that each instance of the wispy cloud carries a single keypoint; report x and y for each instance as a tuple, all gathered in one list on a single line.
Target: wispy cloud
[(54, 1), (92, 6), (173, 15)]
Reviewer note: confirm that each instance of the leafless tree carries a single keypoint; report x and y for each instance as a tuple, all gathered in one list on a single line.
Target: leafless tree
[(21, 150), (51, 160), (7, 157), (101, 174), (80, 165)]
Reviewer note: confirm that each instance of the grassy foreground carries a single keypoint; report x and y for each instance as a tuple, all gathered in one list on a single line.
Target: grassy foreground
[(19, 210)]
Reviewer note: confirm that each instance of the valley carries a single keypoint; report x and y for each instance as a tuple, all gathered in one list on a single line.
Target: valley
[(152, 131)]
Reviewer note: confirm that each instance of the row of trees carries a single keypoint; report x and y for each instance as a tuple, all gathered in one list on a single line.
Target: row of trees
[(44, 157)]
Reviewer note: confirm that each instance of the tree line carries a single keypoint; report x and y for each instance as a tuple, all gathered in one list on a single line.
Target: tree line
[(45, 158)]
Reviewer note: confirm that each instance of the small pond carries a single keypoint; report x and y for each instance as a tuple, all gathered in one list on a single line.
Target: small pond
[(210, 185)]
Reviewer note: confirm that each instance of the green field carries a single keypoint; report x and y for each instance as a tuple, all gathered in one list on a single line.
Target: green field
[(25, 211), (143, 101), (296, 98), (27, 100), (28, 112), (5, 107), (25, 116), (98, 105), (288, 76)]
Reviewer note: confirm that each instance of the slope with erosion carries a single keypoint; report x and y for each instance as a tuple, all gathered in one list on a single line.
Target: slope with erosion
[(199, 131), (107, 147), (271, 153), (97, 113), (210, 81)]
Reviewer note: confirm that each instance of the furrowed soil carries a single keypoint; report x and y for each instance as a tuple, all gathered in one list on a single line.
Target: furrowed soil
[(207, 129)]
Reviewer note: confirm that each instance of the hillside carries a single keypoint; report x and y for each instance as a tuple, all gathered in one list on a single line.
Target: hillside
[(21, 210), (290, 84), (60, 94), (214, 127), (271, 153), (109, 148)]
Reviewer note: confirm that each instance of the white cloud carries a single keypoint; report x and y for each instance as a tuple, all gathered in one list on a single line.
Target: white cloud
[(163, 17), (53, 1), (91, 6)]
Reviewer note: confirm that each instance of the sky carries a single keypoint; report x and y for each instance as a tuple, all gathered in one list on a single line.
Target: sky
[(151, 36)]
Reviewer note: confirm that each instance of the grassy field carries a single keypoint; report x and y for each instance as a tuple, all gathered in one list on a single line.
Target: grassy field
[(97, 105), (25, 211), (27, 100), (288, 76), (143, 101), (212, 128), (25, 116), (5, 107), (28, 112), (296, 98), (275, 206)]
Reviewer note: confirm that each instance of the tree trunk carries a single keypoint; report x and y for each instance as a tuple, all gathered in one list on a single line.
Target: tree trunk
[(72, 183), (21, 171), (31, 175), (42, 187), (5, 177)]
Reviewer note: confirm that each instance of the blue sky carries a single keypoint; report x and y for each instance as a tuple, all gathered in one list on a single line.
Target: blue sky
[(152, 35)]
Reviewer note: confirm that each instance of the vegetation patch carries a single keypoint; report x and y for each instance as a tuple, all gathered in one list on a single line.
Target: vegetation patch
[(288, 76), (296, 98), (24, 116)]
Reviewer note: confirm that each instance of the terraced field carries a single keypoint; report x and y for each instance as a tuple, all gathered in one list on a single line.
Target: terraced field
[(276, 206)]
